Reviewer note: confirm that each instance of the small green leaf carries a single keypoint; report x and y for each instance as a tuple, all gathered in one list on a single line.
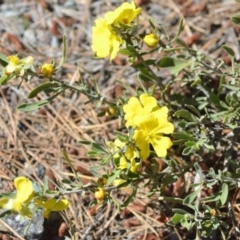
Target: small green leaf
[(176, 218), (85, 142), (180, 211), (191, 197), (224, 194), (183, 135), (236, 19), (129, 199), (98, 148), (231, 55), (193, 109), (228, 50), (181, 43), (186, 151), (173, 65), (180, 27), (41, 88), (63, 54), (185, 114), (27, 107), (114, 176), (190, 144), (3, 59), (207, 227), (185, 222), (4, 79)]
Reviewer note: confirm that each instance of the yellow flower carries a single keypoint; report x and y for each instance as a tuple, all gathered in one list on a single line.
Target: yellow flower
[(149, 131), (118, 182), (51, 205), (127, 155), (47, 70), (100, 194), (24, 194), (139, 107), (104, 40), (18, 66), (151, 40), (124, 14)]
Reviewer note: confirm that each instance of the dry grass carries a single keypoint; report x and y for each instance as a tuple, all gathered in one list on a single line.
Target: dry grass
[(30, 143)]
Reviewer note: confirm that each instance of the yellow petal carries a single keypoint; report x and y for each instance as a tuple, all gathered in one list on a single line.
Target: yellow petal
[(26, 212), (160, 145), (165, 126), (57, 205), (122, 163), (117, 182), (104, 40), (148, 102), (24, 189), (142, 143), (7, 203)]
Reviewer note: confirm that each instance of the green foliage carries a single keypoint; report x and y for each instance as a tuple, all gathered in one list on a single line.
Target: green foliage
[(202, 98)]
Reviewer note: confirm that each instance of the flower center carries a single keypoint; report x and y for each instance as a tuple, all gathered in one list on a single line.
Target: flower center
[(17, 206), (13, 59)]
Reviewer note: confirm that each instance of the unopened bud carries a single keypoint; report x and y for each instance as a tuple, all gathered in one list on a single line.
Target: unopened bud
[(151, 40), (47, 70), (100, 194)]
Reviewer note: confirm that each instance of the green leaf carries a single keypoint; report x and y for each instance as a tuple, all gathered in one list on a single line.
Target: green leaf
[(236, 19), (144, 78), (41, 88), (212, 198), (176, 219), (178, 142), (193, 109), (63, 53), (186, 222), (228, 50), (180, 27), (114, 176), (231, 55), (27, 107), (98, 148), (65, 155), (191, 197), (96, 171), (129, 199), (186, 151), (4, 79), (183, 135), (224, 194), (181, 43), (173, 65), (190, 144), (207, 227), (180, 211), (185, 114), (3, 60), (85, 142)]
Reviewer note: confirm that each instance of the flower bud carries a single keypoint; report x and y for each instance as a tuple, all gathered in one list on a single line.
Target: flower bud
[(100, 194), (47, 70), (151, 40)]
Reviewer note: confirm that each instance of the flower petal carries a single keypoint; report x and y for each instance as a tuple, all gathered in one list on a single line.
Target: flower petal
[(26, 212), (165, 126), (6, 203), (142, 143), (160, 145), (24, 189), (148, 102)]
